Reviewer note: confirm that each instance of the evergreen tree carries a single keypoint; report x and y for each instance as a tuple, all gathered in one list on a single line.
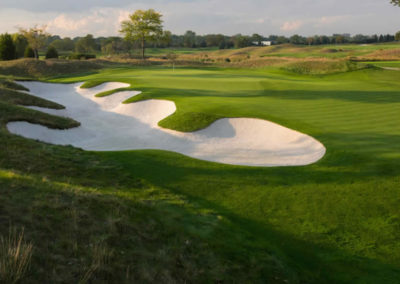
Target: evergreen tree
[(7, 47)]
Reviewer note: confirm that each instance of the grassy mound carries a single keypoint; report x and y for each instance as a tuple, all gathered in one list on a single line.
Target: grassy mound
[(39, 69), (322, 66), (188, 121)]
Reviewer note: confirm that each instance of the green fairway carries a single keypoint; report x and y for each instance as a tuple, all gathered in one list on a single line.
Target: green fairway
[(336, 221)]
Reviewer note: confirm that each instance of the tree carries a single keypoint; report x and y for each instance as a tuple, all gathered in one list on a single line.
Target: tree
[(296, 39), (339, 39), (29, 52), (395, 2), (241, 41), (20, 44), (397, 36), (86, 44), (36, 38), (7, 47), (165, 39), (256, 38), (51, 52), (65, 44), (189, 39), (142, 26)]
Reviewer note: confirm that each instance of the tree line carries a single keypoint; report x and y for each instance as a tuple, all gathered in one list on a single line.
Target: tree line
[(144, 29)]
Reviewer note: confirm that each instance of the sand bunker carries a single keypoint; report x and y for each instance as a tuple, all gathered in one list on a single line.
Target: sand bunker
[(109, 125)]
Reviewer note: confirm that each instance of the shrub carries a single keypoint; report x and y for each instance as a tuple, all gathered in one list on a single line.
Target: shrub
[(81, 56), (29, 53), (7, 47), (51, 52), (227, 60)]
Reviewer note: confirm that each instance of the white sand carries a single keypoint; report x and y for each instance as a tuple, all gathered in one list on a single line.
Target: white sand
[(109, 125)]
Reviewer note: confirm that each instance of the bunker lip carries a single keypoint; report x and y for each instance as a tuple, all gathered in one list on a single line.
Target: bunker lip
[(109, 125)]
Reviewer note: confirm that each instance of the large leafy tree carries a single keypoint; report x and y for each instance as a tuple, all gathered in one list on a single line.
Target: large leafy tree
[(7, 47), (143, 26), (36, 38), (86, 44), (395, 2)]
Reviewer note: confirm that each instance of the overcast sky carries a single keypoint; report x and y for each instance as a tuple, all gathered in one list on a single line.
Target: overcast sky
[(284, 17)]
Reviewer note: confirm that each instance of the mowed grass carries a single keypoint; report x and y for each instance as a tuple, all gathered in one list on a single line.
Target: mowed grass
[(335, 220)]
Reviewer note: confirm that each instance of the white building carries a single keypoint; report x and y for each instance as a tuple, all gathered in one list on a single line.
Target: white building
[(266, 43), (263, 43)]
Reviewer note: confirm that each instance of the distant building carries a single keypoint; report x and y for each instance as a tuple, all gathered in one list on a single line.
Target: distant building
[(266, 43), (263, 43)]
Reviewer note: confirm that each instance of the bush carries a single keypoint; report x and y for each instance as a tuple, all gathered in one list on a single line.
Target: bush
[(81, 56), (227, 60), (51, 52), (29, 53), (7, 47)]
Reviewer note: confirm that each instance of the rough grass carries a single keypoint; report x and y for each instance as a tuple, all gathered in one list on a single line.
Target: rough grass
[(256, 57), (9, 84), (41, 69), (322, 66), (18, 98), (15, 256), (10, 109)]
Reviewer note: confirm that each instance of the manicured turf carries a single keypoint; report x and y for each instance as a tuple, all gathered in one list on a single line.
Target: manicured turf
[(334, 221)]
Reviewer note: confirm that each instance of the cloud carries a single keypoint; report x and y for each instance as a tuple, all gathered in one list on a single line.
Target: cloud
[(329, 20), (99, 22), (291, 26)]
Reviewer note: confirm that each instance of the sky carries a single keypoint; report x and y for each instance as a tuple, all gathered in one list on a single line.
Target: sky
[(279, 17)]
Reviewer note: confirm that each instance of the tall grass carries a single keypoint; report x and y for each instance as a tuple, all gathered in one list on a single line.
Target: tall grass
[(15, 256), (100, 257)]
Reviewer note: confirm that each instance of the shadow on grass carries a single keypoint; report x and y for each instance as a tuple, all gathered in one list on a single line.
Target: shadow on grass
[(248, 239)]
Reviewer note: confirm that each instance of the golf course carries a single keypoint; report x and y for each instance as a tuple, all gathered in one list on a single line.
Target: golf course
[(160, 216), (199, 142)]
